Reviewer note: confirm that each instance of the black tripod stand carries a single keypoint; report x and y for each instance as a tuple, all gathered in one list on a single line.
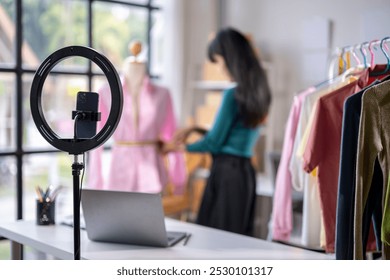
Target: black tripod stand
[(81, 144), (76, 169)]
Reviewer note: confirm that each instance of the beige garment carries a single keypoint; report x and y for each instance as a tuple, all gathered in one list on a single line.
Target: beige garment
[(322, 233)]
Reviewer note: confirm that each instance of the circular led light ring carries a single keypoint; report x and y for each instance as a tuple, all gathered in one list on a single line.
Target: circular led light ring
[(70, 145)]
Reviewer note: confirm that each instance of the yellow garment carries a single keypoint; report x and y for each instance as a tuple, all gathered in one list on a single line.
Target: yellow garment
[(302, 144), (305, 138), (343, 66)]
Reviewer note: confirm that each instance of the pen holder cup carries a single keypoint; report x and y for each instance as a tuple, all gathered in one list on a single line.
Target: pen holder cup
[(46, 212)]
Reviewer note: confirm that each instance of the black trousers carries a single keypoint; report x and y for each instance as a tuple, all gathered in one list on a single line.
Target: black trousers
[(229, 197)]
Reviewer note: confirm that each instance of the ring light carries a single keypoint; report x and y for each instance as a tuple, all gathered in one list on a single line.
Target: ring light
[(80, 145), (76, 146)]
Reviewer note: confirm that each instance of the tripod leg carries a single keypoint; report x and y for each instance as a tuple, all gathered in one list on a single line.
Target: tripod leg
[(76, 168)]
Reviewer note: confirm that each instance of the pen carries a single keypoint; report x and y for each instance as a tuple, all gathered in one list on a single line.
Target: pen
[(54, 193), (46, 197), (38, 191), (186, 239)]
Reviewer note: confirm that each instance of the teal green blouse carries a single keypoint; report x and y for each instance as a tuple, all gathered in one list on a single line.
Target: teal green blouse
[(228, 134)]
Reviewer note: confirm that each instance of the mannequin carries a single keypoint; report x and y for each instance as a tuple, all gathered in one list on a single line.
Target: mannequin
[(134, 72), (137, 163)]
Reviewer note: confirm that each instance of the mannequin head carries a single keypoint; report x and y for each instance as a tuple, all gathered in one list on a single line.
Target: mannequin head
[(134, 69)]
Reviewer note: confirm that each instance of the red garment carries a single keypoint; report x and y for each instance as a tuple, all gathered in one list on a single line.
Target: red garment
[(323, 151)]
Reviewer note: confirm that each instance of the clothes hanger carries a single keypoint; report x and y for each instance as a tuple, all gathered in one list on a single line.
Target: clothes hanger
[(370, 45), (352, 50), (348, 52), (382, 45), (334, 63), (348, 70), (345, 58), (364, 53), (386, 55), (345, 71)]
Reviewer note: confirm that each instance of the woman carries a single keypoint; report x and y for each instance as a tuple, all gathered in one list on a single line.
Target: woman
[(229, 197)]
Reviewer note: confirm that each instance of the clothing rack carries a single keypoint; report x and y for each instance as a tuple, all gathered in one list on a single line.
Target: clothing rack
[(324, 137)]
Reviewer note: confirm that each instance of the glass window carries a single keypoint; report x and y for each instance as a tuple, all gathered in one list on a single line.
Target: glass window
[(47, 27), (58, 101), (115, 26), (158, 3), (142, 2), (5, 252), (51, 25), (7, 189), (157, 44), (45, 170), (7, 111), (7, 32), (98, 82)]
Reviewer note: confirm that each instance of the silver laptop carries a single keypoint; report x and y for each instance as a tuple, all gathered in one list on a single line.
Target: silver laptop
[(126, 217)]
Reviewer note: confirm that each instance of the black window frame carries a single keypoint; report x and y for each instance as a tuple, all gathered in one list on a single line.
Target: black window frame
[(19, 151)]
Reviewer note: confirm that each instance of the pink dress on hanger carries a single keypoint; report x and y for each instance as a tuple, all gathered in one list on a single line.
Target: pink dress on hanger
[(135, 164), (282, 220)]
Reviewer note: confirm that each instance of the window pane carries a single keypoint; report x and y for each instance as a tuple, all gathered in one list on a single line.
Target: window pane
[(97, 83), (7, 32), (158, 3), (51, 25), (44, 170), (115, 26), (58, 101), (7, 111), (142, 2), (157, 39), (5, 250), (7, 189)]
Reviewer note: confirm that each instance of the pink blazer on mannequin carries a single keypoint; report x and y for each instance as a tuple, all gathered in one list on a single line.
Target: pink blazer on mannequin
[(139, 167)]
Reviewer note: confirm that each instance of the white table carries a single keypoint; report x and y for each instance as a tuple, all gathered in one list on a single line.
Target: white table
[(205, 243)]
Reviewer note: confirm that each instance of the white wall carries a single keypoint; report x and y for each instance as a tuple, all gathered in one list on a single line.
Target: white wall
[(280, 28), (201, 21), (277, 27), (188, 24)]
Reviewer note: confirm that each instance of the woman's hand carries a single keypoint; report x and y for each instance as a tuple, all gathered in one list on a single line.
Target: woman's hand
[(172, 146), (182, 135)]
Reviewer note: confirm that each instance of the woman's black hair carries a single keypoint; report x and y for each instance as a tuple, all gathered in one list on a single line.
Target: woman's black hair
[(252, 92)]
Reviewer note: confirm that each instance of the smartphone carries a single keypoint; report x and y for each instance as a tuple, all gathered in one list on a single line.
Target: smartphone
[(87, 102)]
